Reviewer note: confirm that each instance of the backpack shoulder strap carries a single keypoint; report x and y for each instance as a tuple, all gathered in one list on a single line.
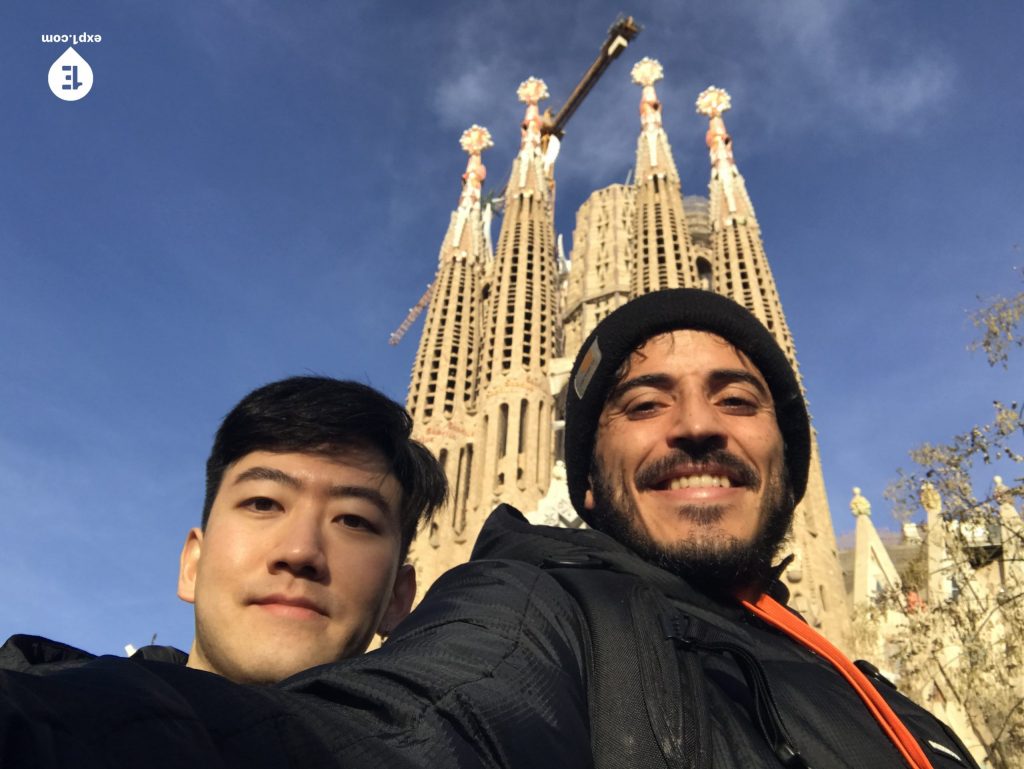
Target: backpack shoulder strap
[(643, 698)]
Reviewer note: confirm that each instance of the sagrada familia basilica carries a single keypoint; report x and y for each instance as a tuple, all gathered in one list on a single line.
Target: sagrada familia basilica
[(503, 326), (504, 323)]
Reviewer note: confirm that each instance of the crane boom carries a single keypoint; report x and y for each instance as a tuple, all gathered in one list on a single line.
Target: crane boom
[(619, 35), (414, 312)]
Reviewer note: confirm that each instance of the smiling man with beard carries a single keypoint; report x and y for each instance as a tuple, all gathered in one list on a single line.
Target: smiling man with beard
[(679, 423), (658, 637)]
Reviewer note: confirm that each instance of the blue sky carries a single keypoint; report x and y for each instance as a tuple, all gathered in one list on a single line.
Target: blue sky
[(256, 189)]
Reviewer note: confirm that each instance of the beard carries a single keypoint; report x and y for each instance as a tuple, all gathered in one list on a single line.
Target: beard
[(714, 562)]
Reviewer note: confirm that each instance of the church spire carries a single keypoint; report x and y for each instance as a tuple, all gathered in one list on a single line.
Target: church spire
[(474, 141), (449, 333), (664, 255), (713, 102), (516, 405), (528, 165), (740, 268), (443, 383), (656, 156)]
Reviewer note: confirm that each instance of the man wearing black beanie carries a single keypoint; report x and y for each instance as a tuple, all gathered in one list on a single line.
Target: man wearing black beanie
[(658, 637), (727, 472)]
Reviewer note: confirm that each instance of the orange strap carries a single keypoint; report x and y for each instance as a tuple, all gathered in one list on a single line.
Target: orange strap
[(779, 617)]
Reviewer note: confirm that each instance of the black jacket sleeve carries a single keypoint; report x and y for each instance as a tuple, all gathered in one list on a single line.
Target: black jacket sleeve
[(487, 672)]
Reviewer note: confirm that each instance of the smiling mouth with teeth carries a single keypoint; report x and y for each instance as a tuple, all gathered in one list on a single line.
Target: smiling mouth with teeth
[(700, 482), (681, 470)]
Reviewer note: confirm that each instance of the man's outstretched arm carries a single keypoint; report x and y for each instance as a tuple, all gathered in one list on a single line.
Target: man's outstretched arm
[(488, 672)]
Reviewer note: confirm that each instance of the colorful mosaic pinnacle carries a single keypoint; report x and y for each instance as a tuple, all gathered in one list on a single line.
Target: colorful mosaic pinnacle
[(476, 139), (532, 90), (713, 101), (647, 71)]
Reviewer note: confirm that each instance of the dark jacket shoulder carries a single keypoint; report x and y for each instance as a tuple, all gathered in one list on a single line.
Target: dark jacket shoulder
[(507, 535), (34, 654)]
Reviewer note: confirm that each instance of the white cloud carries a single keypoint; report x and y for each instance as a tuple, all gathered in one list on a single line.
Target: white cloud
[(834, 56), (468, 95), (892, 100)]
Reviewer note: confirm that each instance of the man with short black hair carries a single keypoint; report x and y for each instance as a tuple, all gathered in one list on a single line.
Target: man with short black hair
[(657, 638), (314, 491)]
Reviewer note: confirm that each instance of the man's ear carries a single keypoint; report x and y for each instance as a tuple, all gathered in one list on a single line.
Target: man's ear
[(190, 552), (588, 496), (402, 597)]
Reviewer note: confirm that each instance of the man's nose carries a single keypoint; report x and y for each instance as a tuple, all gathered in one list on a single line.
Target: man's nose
[(299, 547), (696, 423)]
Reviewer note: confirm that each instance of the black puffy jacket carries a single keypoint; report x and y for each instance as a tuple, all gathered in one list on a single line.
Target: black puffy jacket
[(496, 668)]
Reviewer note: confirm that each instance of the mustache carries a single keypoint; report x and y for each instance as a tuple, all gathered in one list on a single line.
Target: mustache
[(648, 476)]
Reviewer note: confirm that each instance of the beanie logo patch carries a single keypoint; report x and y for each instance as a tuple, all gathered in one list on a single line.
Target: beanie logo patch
[(587, 369)]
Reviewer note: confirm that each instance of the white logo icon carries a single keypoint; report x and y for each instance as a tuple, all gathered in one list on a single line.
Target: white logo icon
[(70, 76)]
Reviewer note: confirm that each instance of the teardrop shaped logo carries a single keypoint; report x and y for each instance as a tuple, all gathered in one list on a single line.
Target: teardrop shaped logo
[(70, 76)]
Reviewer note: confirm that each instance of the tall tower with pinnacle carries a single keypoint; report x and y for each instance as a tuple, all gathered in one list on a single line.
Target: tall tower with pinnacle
[(444, 382), (662, 251), (516, 405), (740, 271)]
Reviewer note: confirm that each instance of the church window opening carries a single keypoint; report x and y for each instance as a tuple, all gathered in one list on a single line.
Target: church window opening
[(523, 410), (704, 274), (502, 429)]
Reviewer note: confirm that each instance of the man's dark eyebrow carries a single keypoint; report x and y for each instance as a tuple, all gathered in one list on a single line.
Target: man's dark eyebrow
[(657, 381), (274, 475), (728, 375), (371, 495), (268, 474)]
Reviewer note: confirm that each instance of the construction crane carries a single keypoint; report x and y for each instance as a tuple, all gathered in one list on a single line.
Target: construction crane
[(620, 34), (414, 312)]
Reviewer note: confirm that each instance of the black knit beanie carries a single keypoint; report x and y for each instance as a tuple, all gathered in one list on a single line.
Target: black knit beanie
[(628, 327)]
